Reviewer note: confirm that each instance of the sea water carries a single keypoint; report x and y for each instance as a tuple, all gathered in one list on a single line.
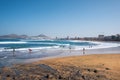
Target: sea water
[(44, 48), (20, 44)]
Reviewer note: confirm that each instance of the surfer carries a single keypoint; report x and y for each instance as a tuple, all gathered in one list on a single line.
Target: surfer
[(30, 50)]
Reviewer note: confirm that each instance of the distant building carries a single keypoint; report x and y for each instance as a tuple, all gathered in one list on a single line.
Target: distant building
[(118, 37), (67, 38), (100, 36), (108, 38), (56, 37)]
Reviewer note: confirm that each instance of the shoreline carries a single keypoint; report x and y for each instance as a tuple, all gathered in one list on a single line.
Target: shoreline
[(95, 64), (33, 57), (113, 50)]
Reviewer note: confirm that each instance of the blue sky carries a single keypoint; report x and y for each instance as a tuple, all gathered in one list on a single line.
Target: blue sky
[(60, 18)]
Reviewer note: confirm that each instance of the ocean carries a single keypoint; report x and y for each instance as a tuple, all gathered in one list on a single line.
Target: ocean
[(21, 44), (44, 48)]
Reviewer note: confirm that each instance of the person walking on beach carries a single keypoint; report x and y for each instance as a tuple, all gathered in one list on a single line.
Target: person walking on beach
[(13, 52), (83, 50)]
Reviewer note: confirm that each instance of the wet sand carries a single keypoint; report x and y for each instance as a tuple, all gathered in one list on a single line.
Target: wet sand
[(86, 67)]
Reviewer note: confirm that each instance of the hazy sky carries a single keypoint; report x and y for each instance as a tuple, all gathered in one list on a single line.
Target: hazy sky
[(60, 17)]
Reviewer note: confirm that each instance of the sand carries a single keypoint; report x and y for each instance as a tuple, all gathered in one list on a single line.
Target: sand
[(86, 67)]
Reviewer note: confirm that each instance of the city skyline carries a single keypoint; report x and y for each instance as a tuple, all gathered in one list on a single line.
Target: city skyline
[(60, 18)]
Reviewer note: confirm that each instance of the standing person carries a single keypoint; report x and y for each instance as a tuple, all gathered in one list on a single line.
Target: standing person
[(83, 50), (70, 48), (13, 51)]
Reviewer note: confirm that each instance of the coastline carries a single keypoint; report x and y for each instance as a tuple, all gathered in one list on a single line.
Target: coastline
[(67, 53), (49, 54), (63, 64)]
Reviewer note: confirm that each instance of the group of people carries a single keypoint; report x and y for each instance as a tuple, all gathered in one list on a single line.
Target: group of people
[(82, 49), (30, 50)]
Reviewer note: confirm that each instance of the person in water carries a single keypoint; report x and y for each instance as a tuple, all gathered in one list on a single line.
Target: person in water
[(30, 50), (5, 49), (13, 51), (70, 48)]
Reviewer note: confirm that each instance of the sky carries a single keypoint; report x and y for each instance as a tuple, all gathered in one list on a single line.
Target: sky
[(61, 18)]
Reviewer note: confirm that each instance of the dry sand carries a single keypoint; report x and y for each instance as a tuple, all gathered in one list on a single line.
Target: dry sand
[(87, 67)]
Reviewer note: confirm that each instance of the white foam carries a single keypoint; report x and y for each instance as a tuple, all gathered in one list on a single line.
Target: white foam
[(99, 45), (12, 42), (94, 42), (37, 48)]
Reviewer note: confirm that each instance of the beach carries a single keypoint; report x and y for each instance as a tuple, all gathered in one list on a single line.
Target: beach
[(86, 67), (14, 52), (67, 61), (59, 40)]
